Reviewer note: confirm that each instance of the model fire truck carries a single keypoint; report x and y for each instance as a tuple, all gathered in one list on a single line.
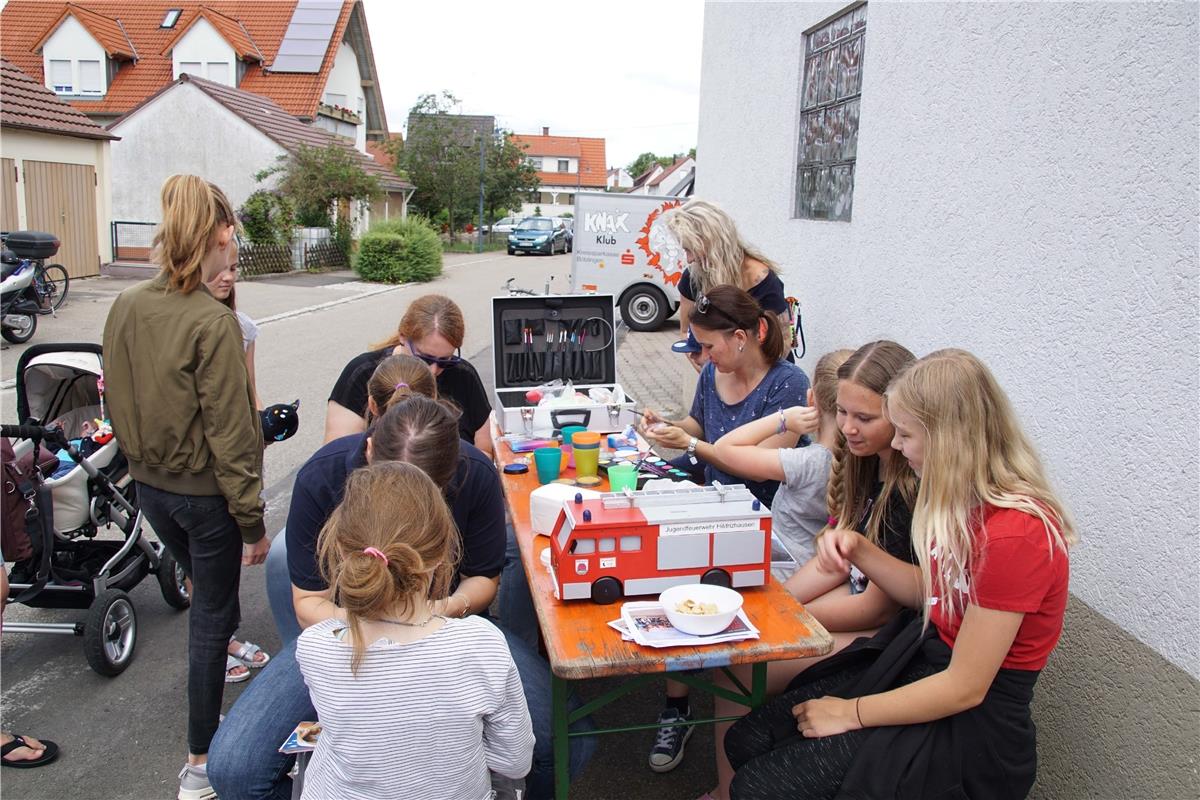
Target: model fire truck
[(637, 543)]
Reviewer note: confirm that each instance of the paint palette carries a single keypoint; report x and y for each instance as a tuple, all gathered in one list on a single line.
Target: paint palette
[(651, 468)]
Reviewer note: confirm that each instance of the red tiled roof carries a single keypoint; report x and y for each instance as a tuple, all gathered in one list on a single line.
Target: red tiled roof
[(589, 151), (105, 30), (26, 104), (230, 29), (277, 124), (380, 153), (263, 23)]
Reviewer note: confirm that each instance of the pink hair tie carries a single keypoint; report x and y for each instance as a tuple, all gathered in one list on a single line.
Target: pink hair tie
[(375, 553), (832, 521), (400, 385)]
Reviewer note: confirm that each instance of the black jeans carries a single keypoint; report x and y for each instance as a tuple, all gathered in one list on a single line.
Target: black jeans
[(207, 543)]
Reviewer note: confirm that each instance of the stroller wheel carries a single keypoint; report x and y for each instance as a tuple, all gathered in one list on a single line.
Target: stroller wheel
[(110, 632), (171, 581)]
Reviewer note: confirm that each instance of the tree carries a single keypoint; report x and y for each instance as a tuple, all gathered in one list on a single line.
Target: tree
[(642, 163), (509, 177), (441, 158), (317, 179)]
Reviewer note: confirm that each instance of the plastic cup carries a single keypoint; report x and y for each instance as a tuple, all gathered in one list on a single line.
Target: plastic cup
[(622, 477), (548, 461), (568, 450), (586, 445)]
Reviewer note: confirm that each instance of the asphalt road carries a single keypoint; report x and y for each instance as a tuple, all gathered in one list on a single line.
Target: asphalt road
[(124, 737)]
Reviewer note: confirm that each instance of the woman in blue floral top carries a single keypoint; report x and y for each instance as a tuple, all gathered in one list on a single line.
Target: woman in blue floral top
[(745, 379)]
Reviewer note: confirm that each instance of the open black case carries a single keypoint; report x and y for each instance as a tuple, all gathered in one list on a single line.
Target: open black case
[(537, 339)]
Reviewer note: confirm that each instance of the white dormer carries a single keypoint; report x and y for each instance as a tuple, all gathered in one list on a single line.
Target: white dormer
[(73, 62), (203, 52)]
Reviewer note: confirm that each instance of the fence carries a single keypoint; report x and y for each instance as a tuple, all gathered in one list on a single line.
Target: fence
[(131, 241), (264, 259), (324, 255)]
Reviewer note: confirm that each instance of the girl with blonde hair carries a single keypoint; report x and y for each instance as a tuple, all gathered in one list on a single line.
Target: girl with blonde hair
[(380, 675), (432, 330), (937, 703), (716, 255), (181, 403)]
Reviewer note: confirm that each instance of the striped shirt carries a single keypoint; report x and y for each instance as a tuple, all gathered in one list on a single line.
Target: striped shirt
[(424, 719)]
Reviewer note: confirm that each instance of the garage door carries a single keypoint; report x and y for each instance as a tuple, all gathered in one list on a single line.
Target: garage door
[(61, 199), (8, 195)]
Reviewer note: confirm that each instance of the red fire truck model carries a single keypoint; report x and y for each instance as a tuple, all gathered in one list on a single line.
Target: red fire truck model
[(637, 543)]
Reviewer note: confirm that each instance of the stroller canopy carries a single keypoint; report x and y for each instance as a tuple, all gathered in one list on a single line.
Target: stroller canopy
[(55, 378)]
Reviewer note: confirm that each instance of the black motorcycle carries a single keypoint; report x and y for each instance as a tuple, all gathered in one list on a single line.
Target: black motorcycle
[(20, 302)]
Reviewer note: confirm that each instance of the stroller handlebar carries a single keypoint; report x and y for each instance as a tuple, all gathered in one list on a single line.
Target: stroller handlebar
[(52, 434)]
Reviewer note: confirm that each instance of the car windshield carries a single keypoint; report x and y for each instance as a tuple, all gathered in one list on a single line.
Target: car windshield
[(536, 224)]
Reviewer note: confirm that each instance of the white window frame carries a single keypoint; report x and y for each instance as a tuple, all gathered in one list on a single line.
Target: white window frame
[(96, 88), (56, 76), (194, 68), (208, 71)]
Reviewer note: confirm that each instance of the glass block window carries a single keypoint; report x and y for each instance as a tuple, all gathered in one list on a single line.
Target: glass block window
[(829, 103)]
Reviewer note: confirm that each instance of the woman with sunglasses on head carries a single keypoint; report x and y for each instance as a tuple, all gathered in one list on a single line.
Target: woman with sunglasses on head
[(432, 330)]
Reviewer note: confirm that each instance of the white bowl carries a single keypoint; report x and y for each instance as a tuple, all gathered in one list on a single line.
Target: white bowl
[(728, 603)]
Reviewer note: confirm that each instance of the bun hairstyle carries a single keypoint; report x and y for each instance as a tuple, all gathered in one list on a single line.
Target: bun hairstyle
[(851, 478), (193, 212), (397, 510), (731, 309), (398, 378), (422, 432), (709, 234), (975, 453), (825, 379), (431, 313)]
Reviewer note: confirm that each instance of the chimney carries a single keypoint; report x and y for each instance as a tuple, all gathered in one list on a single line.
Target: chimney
[(545, 131)]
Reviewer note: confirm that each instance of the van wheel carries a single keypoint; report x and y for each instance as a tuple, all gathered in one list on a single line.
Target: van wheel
[(607, 590), (717, 577), (644, 308)]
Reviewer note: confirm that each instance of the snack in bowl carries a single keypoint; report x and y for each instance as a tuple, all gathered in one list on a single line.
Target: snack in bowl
[(711, 608)]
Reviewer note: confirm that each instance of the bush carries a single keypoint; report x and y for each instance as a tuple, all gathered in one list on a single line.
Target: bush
[(399, 251), (267, 217)]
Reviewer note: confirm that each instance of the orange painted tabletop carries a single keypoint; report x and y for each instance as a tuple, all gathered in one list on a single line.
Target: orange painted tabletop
[(580, 643)]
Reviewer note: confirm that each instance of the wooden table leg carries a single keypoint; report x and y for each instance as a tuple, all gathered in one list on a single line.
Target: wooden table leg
[(560, 716)]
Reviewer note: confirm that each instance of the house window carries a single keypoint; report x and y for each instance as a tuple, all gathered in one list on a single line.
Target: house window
[(332, 99), (60, 77), (191, 68), (536, 163), (91, 80), (171, 17), (218, 71), (830, 99), (564, 165)]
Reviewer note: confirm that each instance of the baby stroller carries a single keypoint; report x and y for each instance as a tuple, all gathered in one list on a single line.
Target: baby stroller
[(71, 503)]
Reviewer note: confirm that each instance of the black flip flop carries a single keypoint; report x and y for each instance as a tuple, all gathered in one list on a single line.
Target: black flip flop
[(48, 754)]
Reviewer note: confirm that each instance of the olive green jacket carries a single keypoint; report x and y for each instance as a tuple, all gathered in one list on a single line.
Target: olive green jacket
[(179, 398)]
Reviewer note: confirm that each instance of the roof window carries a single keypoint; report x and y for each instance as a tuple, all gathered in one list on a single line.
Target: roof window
[(171, 18)]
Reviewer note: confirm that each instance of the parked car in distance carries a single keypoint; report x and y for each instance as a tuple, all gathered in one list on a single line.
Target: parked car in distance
[(502, 225), (539, 235)]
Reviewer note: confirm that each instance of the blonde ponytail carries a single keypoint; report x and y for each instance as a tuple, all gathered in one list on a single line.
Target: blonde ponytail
[(193, 211)]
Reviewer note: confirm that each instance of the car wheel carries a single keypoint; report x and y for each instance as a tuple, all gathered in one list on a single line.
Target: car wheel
[(512, 252)]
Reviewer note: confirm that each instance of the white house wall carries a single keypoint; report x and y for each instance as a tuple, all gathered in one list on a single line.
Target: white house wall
[(22, 146), (184, 130), (346, 80), (72, 42), (1026, 188), (202, 43)]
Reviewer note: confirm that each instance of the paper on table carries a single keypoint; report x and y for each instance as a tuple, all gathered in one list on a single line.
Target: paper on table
[(647, 623), (294, 744)]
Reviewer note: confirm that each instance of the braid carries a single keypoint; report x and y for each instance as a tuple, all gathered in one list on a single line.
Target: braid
[(835, 490)]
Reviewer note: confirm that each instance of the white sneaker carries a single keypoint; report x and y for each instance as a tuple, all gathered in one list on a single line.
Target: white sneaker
[(194, 785)]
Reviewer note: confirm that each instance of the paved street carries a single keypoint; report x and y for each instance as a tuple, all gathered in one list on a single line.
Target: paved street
[(124, 737)]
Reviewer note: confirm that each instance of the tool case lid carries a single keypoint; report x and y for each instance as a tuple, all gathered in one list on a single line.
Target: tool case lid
[(558, 312)]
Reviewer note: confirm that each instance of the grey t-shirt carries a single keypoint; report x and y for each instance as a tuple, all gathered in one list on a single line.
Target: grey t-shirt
[(799, 510)]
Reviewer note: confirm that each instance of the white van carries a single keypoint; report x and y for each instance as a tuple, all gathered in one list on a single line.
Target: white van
[(622, 248)]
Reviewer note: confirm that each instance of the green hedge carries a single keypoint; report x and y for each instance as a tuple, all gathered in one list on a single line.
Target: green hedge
[(399, 251)]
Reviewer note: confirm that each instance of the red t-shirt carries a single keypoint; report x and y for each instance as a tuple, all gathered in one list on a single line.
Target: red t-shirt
[(1015, 567)]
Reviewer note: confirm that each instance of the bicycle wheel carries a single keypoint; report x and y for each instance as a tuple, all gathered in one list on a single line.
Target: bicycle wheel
[(55, 283)]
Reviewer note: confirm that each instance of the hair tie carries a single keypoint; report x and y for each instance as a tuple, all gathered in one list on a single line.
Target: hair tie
[(399, 386), (376, 553), (831, 521)]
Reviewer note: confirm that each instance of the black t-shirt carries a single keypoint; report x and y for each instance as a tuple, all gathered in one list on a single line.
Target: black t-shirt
[(768, 292), (459, 383), (895, 533), (475, 498)]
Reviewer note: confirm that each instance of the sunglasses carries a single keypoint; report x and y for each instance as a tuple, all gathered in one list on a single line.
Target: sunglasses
[(434, 361)]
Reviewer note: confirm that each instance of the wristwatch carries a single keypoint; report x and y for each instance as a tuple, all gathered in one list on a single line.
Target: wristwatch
[(691, 451)]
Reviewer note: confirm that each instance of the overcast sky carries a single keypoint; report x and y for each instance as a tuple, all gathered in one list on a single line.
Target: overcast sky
[(625, 71)]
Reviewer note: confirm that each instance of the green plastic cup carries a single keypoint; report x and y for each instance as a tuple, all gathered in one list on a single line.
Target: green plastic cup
[(622, 477), (547, 460)]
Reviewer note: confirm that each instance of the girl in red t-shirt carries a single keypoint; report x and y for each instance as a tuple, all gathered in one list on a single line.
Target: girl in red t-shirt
[(935, 704)]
